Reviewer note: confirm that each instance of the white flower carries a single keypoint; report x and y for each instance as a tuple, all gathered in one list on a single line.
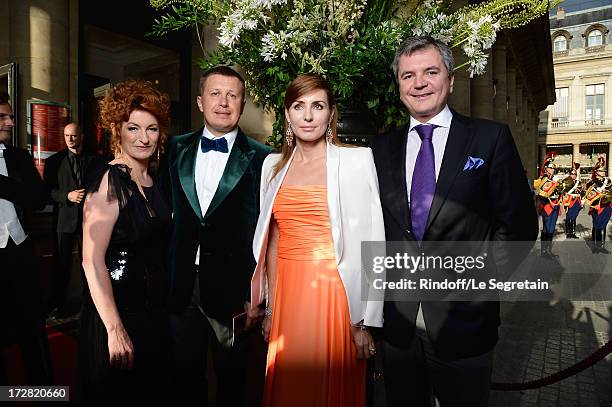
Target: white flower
[(470, 48), (275, 44), (249, 24), (229, 34), (477, 65), (444, 35)]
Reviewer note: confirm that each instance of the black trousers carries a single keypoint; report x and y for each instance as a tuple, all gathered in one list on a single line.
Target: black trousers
[(239, 370), (415, 376), (21, 313), (63, 247), (190, 337)]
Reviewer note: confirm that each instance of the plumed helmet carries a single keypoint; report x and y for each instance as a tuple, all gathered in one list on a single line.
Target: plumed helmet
[(549, 162)]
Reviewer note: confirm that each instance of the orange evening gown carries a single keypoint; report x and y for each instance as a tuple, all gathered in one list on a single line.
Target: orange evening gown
[(312, 360)]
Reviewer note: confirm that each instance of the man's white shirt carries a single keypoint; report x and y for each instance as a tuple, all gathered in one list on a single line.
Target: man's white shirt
[(209, 169), (9, 222)]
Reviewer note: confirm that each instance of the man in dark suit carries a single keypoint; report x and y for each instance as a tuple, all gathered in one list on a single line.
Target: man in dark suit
[(21, 192), (445, 177), (214, 176), (64, 176)]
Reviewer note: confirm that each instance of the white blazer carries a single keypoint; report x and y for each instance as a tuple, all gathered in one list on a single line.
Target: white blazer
[(355, 216)]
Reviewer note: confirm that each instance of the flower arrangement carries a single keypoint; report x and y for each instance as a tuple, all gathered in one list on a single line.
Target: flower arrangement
[(351, 42)]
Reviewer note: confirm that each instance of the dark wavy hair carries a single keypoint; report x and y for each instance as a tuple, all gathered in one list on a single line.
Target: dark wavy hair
[(125, 97)]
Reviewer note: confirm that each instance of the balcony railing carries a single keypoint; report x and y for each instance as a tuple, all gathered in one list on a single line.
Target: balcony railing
[(559, 122), (595, 48), (558, 54), (594, 122)]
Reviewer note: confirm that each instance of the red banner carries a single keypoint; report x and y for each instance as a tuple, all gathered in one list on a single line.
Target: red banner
[(48, 122)]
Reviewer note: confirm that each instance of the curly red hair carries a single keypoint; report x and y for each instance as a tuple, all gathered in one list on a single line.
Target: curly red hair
[(125, 97)]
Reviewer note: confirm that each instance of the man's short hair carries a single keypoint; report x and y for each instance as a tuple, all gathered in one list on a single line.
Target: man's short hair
[(4, 98), (224, 71), (78, 128), (411, 44)]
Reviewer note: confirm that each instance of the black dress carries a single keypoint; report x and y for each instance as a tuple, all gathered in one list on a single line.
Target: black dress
[(135, 263)]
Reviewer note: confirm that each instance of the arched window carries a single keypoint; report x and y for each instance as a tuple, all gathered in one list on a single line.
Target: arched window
[(560, 43), (595, 38)]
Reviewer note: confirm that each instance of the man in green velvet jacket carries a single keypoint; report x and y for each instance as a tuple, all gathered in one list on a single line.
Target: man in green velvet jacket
[(214, 175)]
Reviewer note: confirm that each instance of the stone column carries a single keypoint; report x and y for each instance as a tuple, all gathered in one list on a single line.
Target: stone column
[(609, 163), (481, 92), (520, 129), (5, 38), (542, 148), (40, 44), (533, 121), (460, 98), (530, 141), (500, 80), (511, 98), (576, 153), (73, 55)]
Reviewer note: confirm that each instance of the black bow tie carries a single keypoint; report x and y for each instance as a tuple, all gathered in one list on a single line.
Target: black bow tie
[(217, 144)]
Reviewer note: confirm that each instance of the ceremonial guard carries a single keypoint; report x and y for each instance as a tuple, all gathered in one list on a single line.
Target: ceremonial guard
[(598, 197), (572, 192), (549, 204)]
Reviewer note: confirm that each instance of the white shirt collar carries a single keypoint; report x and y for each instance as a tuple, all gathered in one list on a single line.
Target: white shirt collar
[(2, 146), (442, 119), (230, 137)]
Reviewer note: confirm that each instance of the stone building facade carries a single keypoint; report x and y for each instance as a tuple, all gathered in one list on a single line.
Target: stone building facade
[(578, 126)]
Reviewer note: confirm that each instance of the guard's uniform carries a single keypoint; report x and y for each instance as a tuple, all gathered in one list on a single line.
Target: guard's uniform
[(573, 203), (549, 205), (599, 199)]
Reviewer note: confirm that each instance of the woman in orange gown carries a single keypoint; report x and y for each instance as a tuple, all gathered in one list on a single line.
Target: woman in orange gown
[(319, 201)]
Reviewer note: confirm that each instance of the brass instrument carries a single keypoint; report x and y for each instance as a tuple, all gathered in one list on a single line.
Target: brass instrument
[(545, 187), (599, 193), (569, 189), (565, 185)]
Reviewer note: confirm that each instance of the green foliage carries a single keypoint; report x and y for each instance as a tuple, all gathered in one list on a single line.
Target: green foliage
[(351, 42)]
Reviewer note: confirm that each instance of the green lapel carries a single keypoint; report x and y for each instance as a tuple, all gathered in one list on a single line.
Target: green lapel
[(185, 165), (237, 163)]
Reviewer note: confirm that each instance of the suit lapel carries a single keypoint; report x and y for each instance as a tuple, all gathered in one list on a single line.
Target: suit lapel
[(237, 163), (455, 152), (333, 198), (396, 197), (185, 164), (66, 168), (9, 160)]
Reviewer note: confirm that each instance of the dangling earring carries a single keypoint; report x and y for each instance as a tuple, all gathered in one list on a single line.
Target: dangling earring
[(289, 136), (329, 136), (158, 153)]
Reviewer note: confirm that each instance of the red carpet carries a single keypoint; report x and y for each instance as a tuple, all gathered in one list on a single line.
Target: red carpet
[(63, 350)]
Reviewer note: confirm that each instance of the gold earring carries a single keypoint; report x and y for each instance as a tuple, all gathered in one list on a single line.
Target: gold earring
[(329, 136), (289, 136), (158, 153)]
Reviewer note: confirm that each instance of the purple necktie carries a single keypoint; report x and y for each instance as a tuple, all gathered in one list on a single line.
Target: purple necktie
[(423, 185)]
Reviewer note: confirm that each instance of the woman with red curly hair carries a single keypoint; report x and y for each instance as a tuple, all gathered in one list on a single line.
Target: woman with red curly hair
[(125, 224)]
